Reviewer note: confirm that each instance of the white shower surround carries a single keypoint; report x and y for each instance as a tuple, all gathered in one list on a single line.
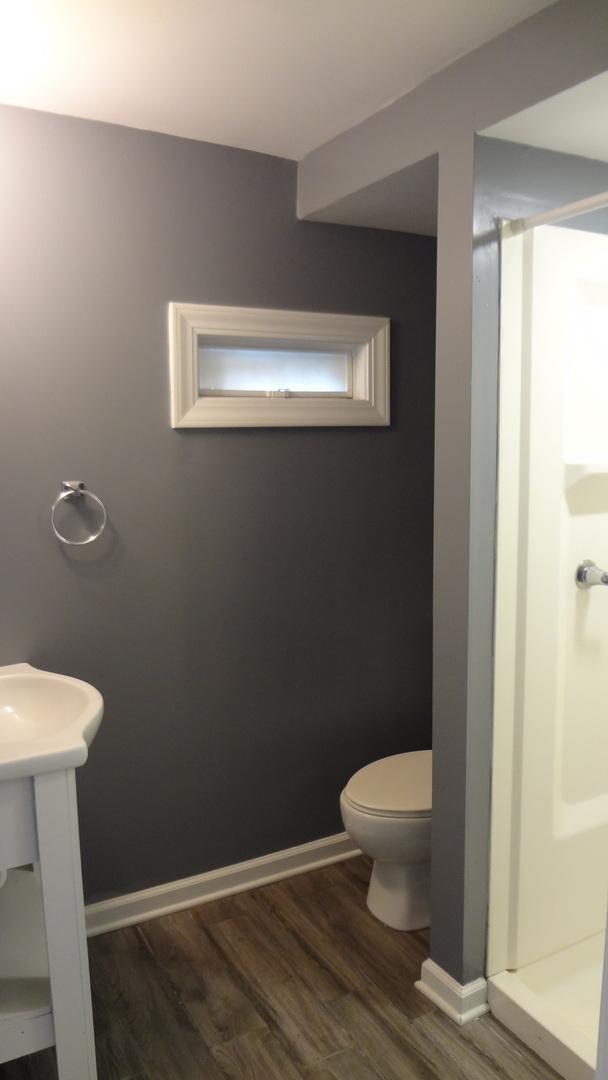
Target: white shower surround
[(549, 875)]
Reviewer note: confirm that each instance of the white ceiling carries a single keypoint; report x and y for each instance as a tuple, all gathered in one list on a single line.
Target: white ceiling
[(279, 76), (574, 122)]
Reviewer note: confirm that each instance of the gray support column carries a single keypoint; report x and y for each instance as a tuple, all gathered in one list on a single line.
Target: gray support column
[(451, 854)]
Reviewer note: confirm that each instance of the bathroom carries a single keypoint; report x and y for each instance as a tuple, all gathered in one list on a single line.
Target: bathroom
[(258, 612)]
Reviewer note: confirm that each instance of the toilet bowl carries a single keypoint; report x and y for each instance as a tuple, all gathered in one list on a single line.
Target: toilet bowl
[(386, 810)]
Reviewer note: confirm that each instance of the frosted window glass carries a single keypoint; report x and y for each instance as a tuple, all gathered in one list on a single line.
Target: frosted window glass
[(262, 370)]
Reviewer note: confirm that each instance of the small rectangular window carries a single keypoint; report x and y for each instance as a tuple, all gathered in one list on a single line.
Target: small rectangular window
[(270, 369), (254, 367)]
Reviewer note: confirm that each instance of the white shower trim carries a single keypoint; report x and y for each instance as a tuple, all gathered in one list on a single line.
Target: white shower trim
[(187, 892), (565, 1047), (461, 1002)]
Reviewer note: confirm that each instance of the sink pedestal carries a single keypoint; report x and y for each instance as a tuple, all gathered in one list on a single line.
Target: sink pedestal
[(45, 996), (47, 723)]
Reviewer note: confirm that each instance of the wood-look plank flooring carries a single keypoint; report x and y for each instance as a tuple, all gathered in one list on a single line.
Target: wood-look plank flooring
[(293, 981)]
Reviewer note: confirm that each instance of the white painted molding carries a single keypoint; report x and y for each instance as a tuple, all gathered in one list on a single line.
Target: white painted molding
[(461, 1002), (176, 895), (367, 338)]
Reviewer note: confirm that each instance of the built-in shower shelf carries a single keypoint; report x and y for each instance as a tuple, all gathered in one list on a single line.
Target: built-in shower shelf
[(26, 1019), (575, 472)]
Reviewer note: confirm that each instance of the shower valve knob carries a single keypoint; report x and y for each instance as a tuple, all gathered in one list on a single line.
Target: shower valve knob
[(588, 574)]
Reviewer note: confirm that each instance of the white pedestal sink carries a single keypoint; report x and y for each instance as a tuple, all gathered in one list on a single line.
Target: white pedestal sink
[(47, 723)]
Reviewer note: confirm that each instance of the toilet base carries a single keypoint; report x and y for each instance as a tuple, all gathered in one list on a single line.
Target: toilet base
[(400, 895)]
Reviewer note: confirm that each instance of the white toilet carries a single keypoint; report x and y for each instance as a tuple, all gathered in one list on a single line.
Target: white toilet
[(386, 810)]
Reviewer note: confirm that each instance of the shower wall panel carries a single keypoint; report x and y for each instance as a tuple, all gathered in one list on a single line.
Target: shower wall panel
[(549, 876)]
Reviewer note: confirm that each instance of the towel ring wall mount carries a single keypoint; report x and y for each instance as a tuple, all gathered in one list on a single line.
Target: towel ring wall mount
[(75, 489)]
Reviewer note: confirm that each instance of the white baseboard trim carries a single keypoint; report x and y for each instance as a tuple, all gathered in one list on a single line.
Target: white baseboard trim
[(462, 1003), (176, 895)]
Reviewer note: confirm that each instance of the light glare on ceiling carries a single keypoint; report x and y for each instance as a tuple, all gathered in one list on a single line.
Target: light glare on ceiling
[(24, 48), (276, 76)]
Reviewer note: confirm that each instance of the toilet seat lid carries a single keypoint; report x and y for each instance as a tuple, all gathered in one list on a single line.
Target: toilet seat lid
[(400, 784)]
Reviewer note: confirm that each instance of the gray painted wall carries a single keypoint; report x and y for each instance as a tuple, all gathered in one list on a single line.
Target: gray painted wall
[(514, 181), (258, 617), (405, 201)]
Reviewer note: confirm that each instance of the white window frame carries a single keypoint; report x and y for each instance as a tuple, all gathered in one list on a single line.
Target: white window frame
[(366, 337)]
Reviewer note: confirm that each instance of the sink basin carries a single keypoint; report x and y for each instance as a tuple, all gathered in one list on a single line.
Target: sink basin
[(47, 721)]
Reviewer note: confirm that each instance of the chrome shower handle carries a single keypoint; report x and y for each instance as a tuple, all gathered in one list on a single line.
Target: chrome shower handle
[(588, 574)]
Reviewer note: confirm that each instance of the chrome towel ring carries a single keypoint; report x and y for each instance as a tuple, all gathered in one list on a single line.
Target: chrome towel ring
[(75, 489)]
